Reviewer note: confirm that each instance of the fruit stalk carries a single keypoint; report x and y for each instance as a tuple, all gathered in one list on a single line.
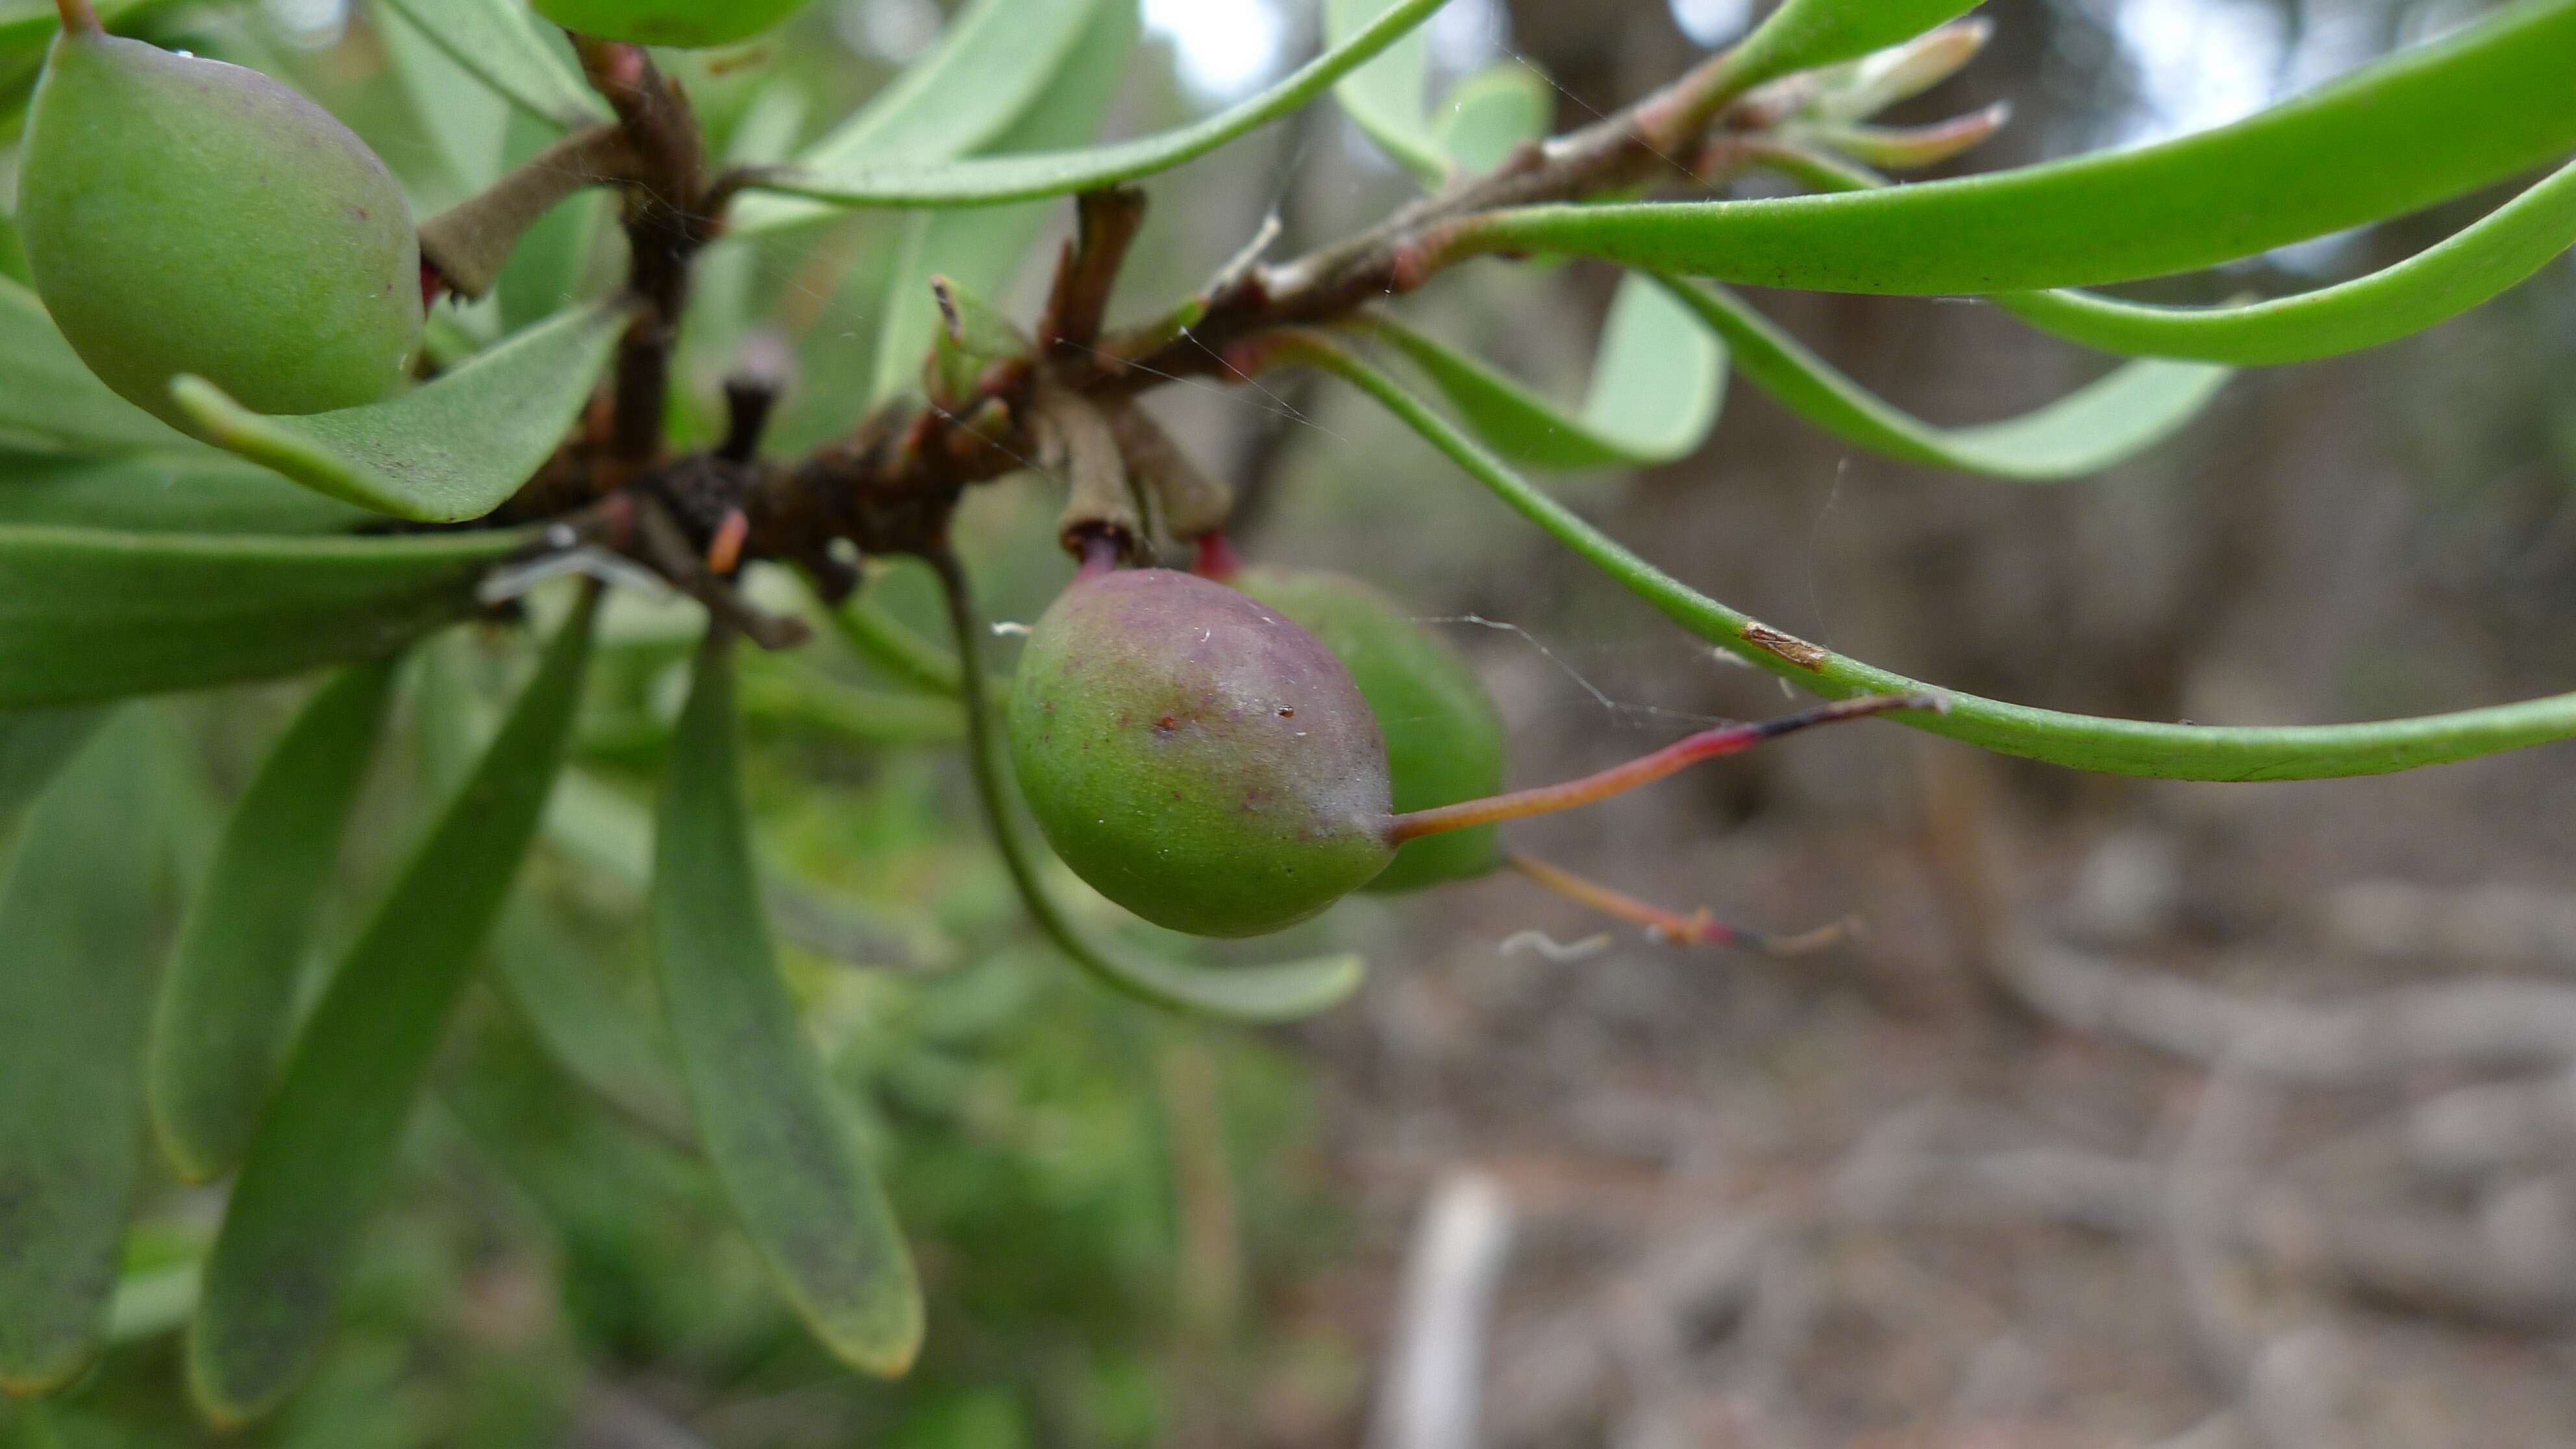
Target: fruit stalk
[(1646, 769), (1699, 928)]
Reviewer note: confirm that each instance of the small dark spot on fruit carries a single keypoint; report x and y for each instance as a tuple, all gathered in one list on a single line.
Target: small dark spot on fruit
[(1166, 725)]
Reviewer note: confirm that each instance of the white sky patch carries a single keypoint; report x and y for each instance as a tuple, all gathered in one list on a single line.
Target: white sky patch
[(1708, 22), (1465, 35), (313, 23), (895, 30), (1227, 48), (2200, 63)]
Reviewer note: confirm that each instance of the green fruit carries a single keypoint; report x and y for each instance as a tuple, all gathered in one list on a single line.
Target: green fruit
[(184, 215), (1197, 757), (1444, 737), (668, 22)]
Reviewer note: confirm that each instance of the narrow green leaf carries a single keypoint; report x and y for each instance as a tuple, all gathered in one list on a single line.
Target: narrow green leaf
[(989, 67), (1281, 991), (1384, 98), (983, 248), (88, 614), (544, 273), (322, 1155), (48, 398), (194, 491), (877, 636), (782, 690), (453, 449), (1807, 34), (2117, 417), (465, 119), (1493, 113), (220, 1026), (617, 1051), (988, 180), (502, 43), (1658, 381), (799, 1181), (35, 744), (77, 910), (2433, 286), (2421, 127), (2084, 742)]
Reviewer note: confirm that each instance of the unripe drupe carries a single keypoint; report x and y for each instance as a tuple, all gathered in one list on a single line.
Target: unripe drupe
[(668, 22), (187, 216)]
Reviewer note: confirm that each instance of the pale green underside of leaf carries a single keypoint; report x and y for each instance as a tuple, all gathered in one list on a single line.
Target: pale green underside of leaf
[(1806, 34), (76, 927), (2433, 286), (1278, 991), (34, 745), (1385, 97), (503, 44), (988, 180), (323, 1154), (48, 398), (982, 248), (453, 449), (2118, 417), (220, 1025), (2088, 742), (989, 68), (1490, 114), (2418, 128), (187, 489), (1658, 380), (88, 614), (789, 1159)]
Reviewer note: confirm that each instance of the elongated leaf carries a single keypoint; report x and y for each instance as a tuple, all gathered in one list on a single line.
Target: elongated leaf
[(88, 614), (2085, 742), (2435, 285), (193, 491), (1657, 383), (544, 272), (501, 43), (989, 180), (1806, 34), (1494, 112), (1282, 991), (34, 745), (2420, 127), (77, 908), (1384, 98), (800, 1184), (451, 450), (2123, 414), (986, 72), (47, 397), (619, 1052), (220, 1026), (462, 115), (321, 1158), (983, 248), (786, 691)]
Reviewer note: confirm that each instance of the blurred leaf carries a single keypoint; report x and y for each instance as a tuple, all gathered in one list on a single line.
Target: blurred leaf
[(2118, 417), (1657, 383), (799, 1182), (13, 254), (502, 43), (77, 913), (321, 1157), (2428, 124), (1280, 991), (544, 271), (991, 64), (2433, 286), (1385, 97), (195, 491), (220, 1027), (2084, 742), (34, 745), (453, 449), (983, 181), (1494, 112), (785, 690), (87, 614), (48, 397), (1807, 34), (983, 248), (463, 116), (617, 1051)]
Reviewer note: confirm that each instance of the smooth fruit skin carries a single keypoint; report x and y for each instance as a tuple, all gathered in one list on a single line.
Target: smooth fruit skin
[(669, 22), (184, 215), (1444, 737), (1195, 756)]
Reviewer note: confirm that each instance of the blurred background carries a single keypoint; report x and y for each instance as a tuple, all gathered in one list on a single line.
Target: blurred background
[(2138, 1114)]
